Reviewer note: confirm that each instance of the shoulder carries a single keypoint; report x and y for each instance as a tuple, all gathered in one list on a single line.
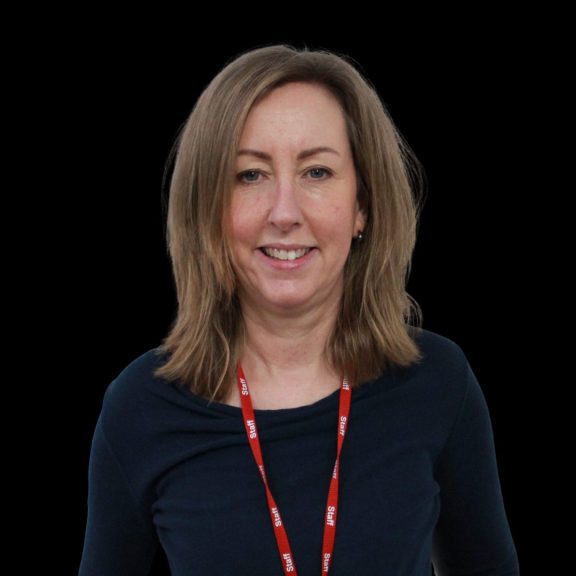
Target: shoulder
[(443, 373), (136, 378), (135, 393), (441, 386), (440, 354), (135, 407)]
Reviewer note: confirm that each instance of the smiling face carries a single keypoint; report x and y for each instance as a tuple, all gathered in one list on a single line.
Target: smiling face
[(293, 210)]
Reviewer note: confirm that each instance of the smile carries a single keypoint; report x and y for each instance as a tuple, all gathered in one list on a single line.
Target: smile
[(285, 254)]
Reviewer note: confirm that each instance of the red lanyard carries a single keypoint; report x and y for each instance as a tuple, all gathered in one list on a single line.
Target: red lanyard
[(332, 504)]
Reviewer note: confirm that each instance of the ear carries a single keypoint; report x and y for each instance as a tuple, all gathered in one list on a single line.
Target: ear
[(360, 220)]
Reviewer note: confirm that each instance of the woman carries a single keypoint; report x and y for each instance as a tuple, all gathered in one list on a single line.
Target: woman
[(296, 419)]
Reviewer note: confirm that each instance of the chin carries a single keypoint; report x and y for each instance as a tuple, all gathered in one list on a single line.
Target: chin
[(287, 301)]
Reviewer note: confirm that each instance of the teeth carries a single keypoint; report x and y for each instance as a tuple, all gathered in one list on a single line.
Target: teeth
[(285, 254)]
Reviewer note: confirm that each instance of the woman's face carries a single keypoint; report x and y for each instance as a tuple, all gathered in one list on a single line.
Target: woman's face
[(293, 207)]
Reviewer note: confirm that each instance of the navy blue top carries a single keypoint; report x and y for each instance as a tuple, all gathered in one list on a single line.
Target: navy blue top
[(419, 481)]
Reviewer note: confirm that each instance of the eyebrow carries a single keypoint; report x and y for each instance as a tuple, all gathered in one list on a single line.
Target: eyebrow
[(301, 156)]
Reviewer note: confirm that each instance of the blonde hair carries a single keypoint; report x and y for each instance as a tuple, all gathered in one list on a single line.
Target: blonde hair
[(378, 319)]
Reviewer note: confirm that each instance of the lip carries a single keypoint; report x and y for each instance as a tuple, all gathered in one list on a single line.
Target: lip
[(285, 246), (287, 265)]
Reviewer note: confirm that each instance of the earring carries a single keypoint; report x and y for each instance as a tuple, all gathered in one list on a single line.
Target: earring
[(359, 237)]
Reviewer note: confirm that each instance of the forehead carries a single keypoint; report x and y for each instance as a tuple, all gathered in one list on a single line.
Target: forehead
[(296, 114)]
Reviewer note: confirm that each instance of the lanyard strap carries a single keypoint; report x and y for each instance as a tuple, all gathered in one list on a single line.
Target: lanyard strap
[(332, 502)]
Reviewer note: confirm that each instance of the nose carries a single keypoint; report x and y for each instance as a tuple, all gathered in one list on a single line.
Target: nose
[(285, 212)]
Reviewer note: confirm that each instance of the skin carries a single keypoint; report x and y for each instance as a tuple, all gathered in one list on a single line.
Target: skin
[(287, 199)]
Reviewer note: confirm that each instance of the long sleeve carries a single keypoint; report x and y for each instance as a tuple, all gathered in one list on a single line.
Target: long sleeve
[(419, 483), (472, 537), (119, 538)]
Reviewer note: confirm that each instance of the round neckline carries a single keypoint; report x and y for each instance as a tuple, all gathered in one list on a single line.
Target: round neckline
[(327, 402), (331, 398)]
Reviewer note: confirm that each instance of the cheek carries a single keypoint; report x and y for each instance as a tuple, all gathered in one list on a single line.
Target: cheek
[(336, 223), (243, 222)]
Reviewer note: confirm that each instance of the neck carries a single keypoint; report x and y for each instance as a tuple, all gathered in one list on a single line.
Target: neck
[(284, 356)]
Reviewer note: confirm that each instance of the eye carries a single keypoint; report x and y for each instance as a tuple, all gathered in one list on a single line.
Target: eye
[(318, 173), (248, 176)]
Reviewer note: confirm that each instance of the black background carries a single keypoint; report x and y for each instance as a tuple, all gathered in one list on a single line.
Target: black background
[(459, 100)]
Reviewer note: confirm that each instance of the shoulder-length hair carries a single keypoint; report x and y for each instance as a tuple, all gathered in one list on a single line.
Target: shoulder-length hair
[(378, 319)]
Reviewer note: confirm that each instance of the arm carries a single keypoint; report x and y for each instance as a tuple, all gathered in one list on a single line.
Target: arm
[(120, 538), (472, 537)]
